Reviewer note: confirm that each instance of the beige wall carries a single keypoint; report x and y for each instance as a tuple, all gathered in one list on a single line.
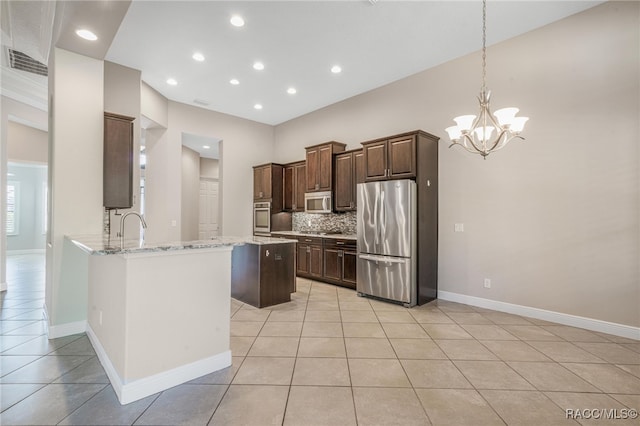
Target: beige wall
[(190, 197), (244, 144), (209, 168), (154, 106), (553, 221), (75, 178), (26, 144)]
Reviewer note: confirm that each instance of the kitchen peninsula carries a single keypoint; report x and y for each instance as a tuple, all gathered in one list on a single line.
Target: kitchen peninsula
[(159, 314)]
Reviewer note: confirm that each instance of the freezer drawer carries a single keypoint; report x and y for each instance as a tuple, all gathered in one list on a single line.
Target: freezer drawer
[(387, 277)]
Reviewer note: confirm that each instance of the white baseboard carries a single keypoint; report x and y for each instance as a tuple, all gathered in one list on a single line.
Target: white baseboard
[(542, 314), (138, 389), (28, 251), (68, 329), (3, 286)]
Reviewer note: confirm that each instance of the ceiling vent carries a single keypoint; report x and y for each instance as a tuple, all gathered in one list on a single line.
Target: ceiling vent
[(22, 62)]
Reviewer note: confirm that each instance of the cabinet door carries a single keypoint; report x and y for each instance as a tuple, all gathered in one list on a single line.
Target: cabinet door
[(349, 266), (333, 264), (358, 175), (402, 157), (303, 259), (375, 161), (262, 183), (118, 162), (313, 171), (344, 188), (300, 187), (289, 188), (358, 164), (315, 261), (325, 156)]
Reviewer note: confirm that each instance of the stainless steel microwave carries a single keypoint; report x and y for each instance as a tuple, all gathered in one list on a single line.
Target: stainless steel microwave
[(317, 202)]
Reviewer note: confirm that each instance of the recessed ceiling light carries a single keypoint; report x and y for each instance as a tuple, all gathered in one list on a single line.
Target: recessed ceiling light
[(234, 81), (206, 146), (237, 21), (292, 90), (198, 56), (172, 81), (86, 34), (258, 66), (336, 69), (257, 106)]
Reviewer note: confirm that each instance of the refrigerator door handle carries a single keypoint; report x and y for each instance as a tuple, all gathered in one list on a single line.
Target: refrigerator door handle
[(382, 258), (382, 217)]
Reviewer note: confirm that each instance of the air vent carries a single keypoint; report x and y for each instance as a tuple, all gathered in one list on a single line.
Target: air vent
[(22, 62)]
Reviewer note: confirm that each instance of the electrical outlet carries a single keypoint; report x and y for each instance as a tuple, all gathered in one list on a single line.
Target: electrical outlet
[(487, 283)]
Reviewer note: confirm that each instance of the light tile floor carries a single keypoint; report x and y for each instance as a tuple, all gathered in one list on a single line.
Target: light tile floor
[(329, 357)]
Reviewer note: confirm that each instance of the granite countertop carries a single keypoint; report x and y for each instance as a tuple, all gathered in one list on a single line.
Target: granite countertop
[(99, 245), (313, 234)]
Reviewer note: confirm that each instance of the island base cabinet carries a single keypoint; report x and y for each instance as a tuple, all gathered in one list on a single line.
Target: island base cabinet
[(263, 275), (130, 298)]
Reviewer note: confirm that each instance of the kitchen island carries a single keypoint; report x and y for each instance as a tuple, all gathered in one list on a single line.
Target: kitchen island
[(159, 314), (264, 272)]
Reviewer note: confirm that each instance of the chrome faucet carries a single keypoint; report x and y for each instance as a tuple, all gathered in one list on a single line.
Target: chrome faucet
[(124, 216)]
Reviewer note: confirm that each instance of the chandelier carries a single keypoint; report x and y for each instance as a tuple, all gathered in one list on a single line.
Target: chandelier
[(475, 133)]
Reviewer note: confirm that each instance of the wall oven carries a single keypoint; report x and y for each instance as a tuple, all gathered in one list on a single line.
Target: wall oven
[(317, 202), (262, 218)]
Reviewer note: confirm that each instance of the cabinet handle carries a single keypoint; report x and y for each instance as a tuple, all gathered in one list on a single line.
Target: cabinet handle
[(307, 240), (340, 243), (308, 249), (339, 253), (293, 206), (317, 186)]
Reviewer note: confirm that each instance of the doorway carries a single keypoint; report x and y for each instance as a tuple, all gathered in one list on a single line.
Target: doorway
[(209, 208), (201, 187)]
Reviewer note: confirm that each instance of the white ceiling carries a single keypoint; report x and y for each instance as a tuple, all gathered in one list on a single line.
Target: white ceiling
[(375, 43)]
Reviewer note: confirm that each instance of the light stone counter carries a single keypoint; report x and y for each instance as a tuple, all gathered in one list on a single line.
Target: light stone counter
[(99, 245), (313, 234)]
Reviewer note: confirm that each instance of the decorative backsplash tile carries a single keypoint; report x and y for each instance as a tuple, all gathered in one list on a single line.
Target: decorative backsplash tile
[(344, 222)]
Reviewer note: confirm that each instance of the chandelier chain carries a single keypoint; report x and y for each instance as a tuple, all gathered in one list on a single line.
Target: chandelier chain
[(484, 46)]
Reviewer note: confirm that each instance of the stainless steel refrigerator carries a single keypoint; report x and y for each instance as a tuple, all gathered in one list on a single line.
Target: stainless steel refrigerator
[(386, 227)]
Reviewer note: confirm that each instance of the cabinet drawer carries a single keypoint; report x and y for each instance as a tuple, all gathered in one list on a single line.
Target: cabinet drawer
[(339, 243), (310, 240)]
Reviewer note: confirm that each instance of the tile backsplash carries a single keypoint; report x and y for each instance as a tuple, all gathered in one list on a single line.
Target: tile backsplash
[(345, 222)]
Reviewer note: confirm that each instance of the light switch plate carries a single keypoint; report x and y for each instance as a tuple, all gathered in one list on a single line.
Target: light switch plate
[(458, 227)]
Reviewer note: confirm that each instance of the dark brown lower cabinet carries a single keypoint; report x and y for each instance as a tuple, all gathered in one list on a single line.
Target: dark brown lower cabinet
[(310, 257), (340, 262)]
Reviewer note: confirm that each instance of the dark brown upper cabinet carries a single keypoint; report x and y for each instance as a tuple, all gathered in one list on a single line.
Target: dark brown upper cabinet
[(320, 166), (349, 171), (393, 158), (295, 185), (117, 179), (267, 185)]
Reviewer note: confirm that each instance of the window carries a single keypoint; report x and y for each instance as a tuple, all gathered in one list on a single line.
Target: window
[(13, 202)]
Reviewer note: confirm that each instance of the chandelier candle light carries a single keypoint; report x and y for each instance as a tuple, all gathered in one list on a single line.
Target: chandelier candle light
[(474, 133)]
